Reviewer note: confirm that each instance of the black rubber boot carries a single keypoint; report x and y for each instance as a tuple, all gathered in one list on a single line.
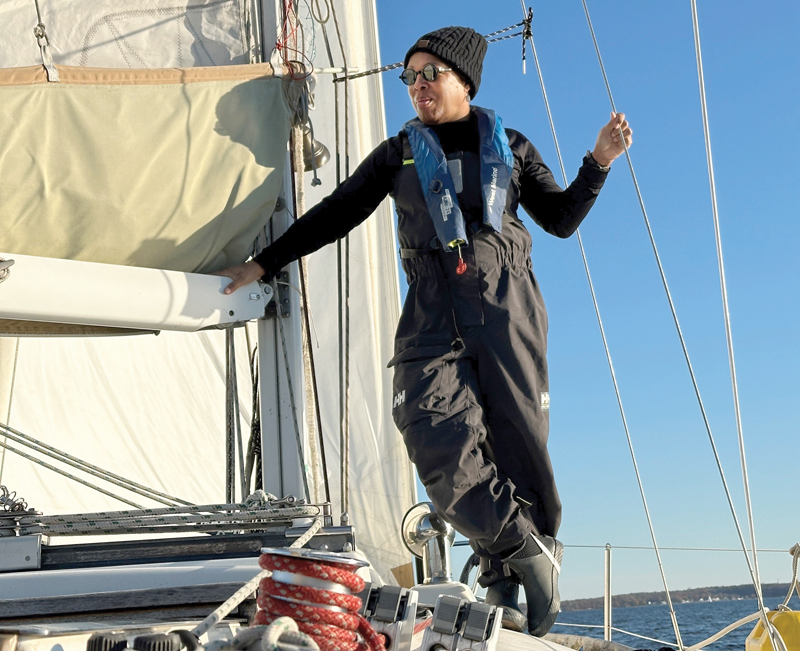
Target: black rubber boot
[(539, 578), (504, 593)]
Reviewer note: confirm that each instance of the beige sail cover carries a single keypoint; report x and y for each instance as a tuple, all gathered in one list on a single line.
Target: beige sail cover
[(168, 168)]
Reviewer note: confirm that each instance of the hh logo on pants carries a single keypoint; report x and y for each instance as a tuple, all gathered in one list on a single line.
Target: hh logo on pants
[(545, 401), (399, 399)]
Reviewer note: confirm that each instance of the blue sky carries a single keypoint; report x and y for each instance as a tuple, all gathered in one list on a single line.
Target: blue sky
[(752, 65)]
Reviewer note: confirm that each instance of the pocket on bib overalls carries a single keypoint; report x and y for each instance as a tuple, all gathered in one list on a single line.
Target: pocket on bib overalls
[(423, 385)]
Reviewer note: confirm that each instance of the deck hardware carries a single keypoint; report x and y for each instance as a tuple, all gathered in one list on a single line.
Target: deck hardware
[(283, 296), (459, 625), (157, 642), (289, 500), (429, 537), (5, 269), (107, 642), (20, 553), (391, 610)]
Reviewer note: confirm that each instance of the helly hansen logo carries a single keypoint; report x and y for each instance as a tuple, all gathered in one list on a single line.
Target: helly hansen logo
[(399, 399), (493, 191), (545, 401)]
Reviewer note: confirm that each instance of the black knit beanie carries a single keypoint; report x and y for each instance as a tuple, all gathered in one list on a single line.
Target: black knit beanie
[(460, 47)]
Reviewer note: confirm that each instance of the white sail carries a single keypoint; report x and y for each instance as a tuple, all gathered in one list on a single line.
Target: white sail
[(152, 408)]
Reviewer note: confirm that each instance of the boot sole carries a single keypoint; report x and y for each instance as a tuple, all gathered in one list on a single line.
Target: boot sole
[(514, 620)]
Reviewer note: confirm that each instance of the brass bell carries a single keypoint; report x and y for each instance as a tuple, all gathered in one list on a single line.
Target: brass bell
[(315, 154)]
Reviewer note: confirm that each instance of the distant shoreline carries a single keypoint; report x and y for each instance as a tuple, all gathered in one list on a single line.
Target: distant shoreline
[(718, 593)]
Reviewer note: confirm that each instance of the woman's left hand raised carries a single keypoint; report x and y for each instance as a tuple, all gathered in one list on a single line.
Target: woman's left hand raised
[(609, 145)]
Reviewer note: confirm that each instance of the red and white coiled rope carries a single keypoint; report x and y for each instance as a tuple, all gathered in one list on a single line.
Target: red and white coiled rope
[(332, 630)]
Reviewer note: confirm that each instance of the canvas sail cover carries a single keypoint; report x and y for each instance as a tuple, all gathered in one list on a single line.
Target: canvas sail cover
[(149, 168), (152, 408)]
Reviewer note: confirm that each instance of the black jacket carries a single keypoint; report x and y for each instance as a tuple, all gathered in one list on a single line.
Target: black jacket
[(439, 301)]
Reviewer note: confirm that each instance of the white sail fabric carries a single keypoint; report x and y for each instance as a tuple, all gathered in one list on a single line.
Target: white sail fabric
[(148, 408), (115, 34), (75, 393)]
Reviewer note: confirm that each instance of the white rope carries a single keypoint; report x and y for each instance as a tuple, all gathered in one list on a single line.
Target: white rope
[(724, 632), (281, 635), (248, 515), (795, 552), (794, 585), (607, 350), (694, 647), (617, 630), (284, 635), (248, 588)]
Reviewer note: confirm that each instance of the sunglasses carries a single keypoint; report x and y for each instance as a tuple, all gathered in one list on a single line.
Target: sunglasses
[(429, 72)]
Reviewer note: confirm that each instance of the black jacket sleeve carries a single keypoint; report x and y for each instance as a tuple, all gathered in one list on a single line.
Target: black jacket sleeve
[(557, 211), (346, 207)]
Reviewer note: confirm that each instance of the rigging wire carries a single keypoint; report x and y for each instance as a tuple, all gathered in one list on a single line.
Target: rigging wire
[(292, 31), (317, 15), (43, 41), (345, 359), (312, 404), (727, 319), (494, 37), (674, 312), (342, 264), (254, 461), (337, 132), (84, 466), (44, 464), (233, 440), (529, 36), (292, 400), (308, 349)]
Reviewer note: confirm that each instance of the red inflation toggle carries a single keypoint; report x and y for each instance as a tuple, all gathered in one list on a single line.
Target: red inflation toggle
[(461, 268)]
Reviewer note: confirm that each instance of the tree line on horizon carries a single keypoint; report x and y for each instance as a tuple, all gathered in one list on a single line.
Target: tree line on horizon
[(722, 593)]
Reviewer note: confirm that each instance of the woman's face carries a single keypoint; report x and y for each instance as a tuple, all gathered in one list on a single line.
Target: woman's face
[(445, 99)]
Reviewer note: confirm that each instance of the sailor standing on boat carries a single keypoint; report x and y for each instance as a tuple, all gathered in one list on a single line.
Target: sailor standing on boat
[(471, 388)]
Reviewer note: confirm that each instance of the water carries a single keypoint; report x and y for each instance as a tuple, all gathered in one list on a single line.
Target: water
[(697, 621)]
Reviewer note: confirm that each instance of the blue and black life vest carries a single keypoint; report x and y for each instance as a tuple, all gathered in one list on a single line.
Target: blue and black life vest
[(497, 165)]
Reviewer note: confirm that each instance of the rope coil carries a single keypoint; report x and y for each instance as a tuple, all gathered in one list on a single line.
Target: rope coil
[(10, 503), (330, 617), (794, 584)]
